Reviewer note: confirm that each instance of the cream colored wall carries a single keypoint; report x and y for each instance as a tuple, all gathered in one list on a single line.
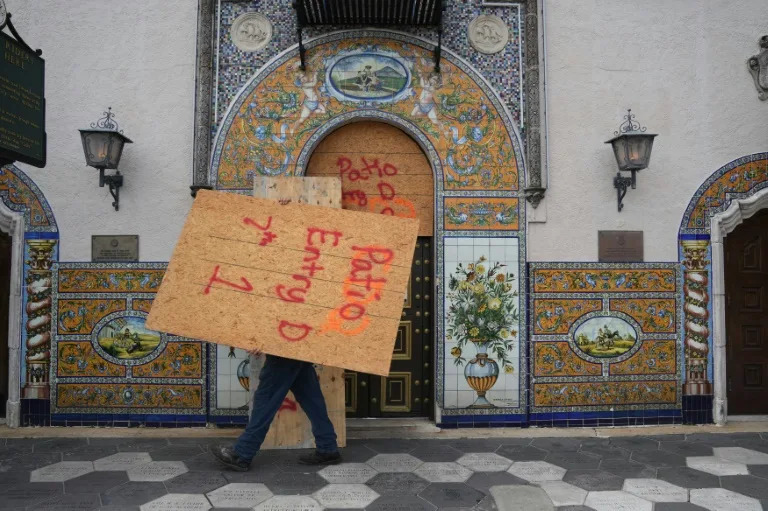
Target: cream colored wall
[(138, 58), (681, 66)]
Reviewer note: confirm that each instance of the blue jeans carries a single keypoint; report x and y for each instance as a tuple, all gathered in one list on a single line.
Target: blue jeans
[(277, 377)]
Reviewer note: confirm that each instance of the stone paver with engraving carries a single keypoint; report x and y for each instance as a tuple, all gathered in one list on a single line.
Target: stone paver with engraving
[(240, 495), (350, 473), (684, 472), (157, 471), (60, 472), (536, 471)]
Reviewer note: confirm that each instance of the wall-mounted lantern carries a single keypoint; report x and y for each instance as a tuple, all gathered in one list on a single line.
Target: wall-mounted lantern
[(632, 148), (103, 146)]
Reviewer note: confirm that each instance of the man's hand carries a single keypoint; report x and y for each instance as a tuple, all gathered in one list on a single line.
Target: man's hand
[(255, 352)]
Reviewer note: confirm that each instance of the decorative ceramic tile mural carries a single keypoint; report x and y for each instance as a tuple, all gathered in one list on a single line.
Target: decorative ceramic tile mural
[(482, 362), (104, 358), (605, 337)]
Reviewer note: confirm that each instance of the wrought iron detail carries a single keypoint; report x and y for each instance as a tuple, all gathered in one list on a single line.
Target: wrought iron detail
[(758, 68), (369, 13), (629, 125), (9, 24), (107, 122), (622, 184)]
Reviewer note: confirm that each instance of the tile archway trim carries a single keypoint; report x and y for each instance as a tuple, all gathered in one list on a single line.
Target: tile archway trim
[(532, 89)]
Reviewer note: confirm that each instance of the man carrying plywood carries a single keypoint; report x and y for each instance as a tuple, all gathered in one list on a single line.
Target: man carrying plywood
[(277, 377), (304, 284)]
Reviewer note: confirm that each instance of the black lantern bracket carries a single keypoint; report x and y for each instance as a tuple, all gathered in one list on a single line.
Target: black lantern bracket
[(107, 127), (369, 13), (629, 130)]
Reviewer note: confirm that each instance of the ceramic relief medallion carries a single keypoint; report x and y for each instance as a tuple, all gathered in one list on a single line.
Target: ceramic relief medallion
[(488, 33), (251, 31)]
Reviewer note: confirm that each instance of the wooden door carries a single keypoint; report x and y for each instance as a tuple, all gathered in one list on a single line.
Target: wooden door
[(5, 289), (407, 391), (746, 316)]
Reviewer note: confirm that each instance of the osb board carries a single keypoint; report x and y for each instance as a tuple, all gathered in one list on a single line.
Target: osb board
[(291, 427), (382, 170), (294, 280)]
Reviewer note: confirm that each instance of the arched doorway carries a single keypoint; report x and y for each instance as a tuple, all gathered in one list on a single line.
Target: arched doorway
[(746, 319), (384, 171)]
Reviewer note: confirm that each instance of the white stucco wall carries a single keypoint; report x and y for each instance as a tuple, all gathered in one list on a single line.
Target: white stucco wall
[(681, 66), (138, 58)]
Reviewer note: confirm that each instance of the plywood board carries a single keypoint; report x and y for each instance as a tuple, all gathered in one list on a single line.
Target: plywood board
[(382, 170), (299, 281), (291, 428)]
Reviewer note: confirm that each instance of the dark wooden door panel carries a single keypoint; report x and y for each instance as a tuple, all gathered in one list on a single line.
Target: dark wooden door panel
[(407, 391), (746, 289)]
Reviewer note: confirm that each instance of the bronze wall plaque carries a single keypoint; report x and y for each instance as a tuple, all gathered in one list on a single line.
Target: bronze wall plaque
[(620, 246), (120, 248)]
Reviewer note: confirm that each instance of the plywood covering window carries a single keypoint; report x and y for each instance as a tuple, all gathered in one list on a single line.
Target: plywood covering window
[(382, 169)]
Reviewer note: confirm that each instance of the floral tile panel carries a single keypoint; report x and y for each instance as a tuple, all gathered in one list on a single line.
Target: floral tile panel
[(482, 323)]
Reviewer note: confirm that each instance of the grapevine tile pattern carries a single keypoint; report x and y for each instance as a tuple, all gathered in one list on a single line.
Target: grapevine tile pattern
[(716, 472)]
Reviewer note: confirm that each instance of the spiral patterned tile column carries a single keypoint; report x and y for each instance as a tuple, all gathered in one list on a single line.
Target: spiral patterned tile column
[(696, 317), (39, 314)]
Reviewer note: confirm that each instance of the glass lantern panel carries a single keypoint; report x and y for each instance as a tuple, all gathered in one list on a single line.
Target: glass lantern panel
[(97, 146), (620, 150), (115, 150)]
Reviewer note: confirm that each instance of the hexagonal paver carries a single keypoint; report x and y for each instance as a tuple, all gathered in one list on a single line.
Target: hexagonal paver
[(239, 495), (60, 472), (656, 490), (289, 503), (687, 448), (536, 471), (750, 486), (613, 500), (95, 482), (157, 471), (606, 452), (132, 494), (716, 466), (122, 461), (178, 501), (635, 443), (742, 455), (688, 477), (485, 462), (594, 480), (574, 460), (658, 459), (294, 483), (564, 494), (455, 495), (401, 503), (677, 506), (345, 496), (77, 502), (558, 444), (718, 499), (349, 473), (433, 452), (398, 483), (394, 463), (443, 472), (627, 468), (522, 452), (197, 482)]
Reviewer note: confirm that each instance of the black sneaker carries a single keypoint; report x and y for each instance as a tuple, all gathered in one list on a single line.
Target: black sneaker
[(320, 458), (229, 457)]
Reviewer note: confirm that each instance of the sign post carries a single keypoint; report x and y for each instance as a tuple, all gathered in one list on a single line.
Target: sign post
[(22, 99)]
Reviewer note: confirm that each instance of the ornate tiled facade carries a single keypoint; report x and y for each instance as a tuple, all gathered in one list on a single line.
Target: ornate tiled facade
[(105, 360), (605, 337)]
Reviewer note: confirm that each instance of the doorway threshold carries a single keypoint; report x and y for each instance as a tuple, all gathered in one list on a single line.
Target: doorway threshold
[(747, 418), (389, 428)]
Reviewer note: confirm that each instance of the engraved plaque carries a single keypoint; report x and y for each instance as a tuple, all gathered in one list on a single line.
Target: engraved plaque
[(620, 246), (122, 249)]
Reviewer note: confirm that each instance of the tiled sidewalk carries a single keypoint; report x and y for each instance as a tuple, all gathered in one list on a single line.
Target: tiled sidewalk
[(718, 472)]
